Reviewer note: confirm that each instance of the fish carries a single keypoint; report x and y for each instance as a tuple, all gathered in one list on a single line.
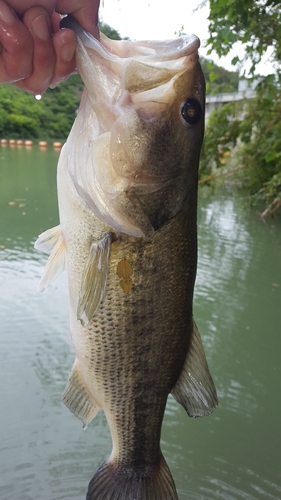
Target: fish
[(127, 192)]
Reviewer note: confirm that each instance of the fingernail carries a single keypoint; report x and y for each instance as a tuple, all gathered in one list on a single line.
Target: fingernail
[(6, 14), (68, 51), (40, 27)]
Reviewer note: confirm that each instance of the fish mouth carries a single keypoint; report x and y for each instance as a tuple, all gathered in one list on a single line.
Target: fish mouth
[(152, 50), (162, 54), (131, 73)]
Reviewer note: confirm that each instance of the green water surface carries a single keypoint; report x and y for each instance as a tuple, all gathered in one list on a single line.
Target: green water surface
[(233, 454)]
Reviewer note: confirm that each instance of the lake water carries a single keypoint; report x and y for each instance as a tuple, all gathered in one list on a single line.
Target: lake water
[(233, 454)]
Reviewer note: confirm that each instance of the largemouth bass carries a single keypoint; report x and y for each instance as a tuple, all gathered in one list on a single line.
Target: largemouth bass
[(127, 191)]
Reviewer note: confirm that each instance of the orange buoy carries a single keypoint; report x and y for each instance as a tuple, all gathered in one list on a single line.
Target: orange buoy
[(19, 142), (57, 145), (28, 144), (4, 142), (12, 142), (43, 144)]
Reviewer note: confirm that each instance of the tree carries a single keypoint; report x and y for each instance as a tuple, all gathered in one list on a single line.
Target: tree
[(218, 79), (256, 24), (109, 31), (22, 117), (251, 134)]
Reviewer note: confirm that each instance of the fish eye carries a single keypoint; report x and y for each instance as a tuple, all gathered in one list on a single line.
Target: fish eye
[(191, 111)]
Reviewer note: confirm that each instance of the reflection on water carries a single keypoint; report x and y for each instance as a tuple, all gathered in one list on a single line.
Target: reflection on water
[(44, 452)]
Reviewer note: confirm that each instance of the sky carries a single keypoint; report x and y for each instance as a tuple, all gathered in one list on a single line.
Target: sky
[(160, 19)]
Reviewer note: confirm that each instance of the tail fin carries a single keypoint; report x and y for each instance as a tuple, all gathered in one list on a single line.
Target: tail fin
[(116, 483)]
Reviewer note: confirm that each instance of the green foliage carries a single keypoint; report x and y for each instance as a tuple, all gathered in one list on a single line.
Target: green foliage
[(261, 134), (256, 24), (221, 136), (109, 31), (218, 79), (20, 114), (253, 133), (23, 117)]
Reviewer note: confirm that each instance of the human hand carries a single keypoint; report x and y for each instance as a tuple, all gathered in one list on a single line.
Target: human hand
[(35, 52)]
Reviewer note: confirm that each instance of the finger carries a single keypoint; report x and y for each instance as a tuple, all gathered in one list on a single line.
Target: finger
[(64, 42), (55, 21), (20, 6), (85, 11), (37, 20), (17, 47)]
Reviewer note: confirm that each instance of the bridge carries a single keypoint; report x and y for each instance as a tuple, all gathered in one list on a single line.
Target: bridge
[(246, 90)]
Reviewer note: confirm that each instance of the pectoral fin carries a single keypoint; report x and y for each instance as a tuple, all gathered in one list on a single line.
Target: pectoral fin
[(94, 279), (77, 398), (195, 389), (51, 242)]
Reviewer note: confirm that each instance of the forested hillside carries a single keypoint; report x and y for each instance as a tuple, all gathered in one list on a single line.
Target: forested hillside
[(22, 116), (218, 79)]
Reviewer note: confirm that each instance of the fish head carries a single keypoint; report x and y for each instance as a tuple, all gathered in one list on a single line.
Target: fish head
[(146, 103)]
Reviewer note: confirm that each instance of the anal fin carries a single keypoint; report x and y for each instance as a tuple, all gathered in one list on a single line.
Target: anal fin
[(94, 279), (195, 389), (76, 397)]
